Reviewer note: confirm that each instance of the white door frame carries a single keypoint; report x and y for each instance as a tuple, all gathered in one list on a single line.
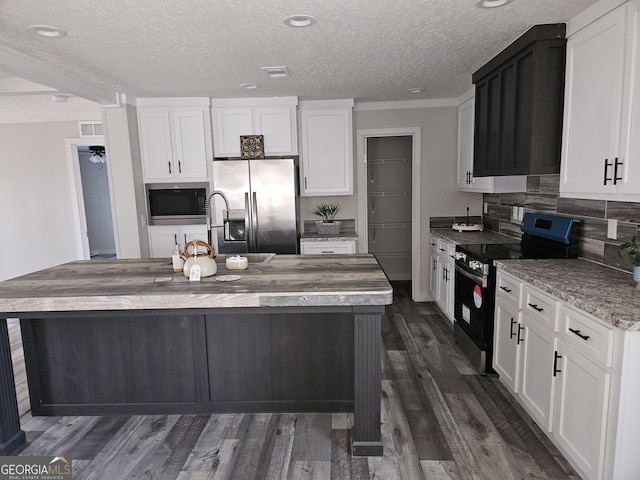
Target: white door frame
[(361, 172), (73, 159)]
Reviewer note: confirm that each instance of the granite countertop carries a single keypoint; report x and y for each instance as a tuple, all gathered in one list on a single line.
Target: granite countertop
[(486, 236), (604, 292), (282, 280)]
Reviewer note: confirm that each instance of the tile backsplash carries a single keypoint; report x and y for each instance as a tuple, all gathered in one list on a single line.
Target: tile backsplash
[(542, 195)]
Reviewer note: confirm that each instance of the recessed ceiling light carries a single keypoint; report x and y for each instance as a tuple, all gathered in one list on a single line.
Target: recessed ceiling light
[(299, 21), (414, 90), (249, 86), (47, 31), (276, 72), (491, 3)]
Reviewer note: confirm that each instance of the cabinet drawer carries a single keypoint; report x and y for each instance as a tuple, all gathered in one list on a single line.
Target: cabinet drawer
[(587, 335), (509, 289), (327, 248), (443, 248), (541, 306)]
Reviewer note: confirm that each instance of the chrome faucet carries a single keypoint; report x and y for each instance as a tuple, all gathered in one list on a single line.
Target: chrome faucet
[(207, 207)]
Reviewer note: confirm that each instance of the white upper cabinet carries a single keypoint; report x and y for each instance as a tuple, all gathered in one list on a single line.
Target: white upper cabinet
[(175, 142), (233, 118), (326, 138), (601, 146), (466, 181)]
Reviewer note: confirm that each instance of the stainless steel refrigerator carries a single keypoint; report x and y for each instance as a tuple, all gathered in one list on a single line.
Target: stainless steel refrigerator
[(261, 215)]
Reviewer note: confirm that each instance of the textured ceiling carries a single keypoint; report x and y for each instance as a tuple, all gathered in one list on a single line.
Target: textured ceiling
[(369, 50)]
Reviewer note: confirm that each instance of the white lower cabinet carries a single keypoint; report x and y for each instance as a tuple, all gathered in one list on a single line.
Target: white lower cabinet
[(163, 239), (507, 343), (582, 402), (442, 275), (537, 388), (574, 374), (327, 248)]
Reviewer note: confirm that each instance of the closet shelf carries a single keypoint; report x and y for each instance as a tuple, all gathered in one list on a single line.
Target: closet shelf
[(375, 161), (390, 225), (392, 255), (399, 193)]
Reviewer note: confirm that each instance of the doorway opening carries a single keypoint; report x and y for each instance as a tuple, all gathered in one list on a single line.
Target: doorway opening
[(389, 201), (89, 165), (97, 201)]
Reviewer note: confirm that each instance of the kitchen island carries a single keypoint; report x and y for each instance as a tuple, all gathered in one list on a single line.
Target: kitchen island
[(293, 334)]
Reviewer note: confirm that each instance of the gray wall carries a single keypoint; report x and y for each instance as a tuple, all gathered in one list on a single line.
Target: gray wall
[(542, 196), (38, 211)]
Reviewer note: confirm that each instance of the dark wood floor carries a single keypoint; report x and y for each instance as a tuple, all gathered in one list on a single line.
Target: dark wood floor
[(440, 420)]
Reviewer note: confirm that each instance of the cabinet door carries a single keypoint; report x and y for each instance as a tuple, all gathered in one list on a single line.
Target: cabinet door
[(466, 180), (582, 402), (507, 337), (537, 387), (593, 102), (443, 289), (163, 241), (194, 232), (630, 183), (229, 125), (190, 129), (433, 276), (155, 144), (327, 151), (279, 127)]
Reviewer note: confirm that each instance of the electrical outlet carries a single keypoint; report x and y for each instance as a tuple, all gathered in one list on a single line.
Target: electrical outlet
[(514, 213), (520, 213), (612, 229), (485, 207)]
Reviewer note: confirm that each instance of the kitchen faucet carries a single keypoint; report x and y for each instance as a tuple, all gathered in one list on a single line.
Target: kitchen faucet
[(207, 207)]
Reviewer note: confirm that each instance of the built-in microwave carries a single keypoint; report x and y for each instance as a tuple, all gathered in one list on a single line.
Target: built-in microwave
[(176, 204)]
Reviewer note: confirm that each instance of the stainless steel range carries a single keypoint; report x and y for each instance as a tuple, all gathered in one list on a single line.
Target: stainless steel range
[(543, 236)]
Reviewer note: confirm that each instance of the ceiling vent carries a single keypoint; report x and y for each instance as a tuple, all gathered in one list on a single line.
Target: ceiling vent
[(91, 129), (275, 72)]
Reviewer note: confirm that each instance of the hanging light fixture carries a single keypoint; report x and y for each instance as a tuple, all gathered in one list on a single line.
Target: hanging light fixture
[(97, 155)]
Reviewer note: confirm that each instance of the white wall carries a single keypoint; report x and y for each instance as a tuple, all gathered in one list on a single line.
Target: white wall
[(37, 219), (439, 197)]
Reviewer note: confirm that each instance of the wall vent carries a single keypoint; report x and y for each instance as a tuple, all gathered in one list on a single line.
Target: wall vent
[(91, 129)]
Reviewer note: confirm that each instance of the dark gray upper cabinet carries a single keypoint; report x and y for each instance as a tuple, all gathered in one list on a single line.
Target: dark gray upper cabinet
[(519, 101)]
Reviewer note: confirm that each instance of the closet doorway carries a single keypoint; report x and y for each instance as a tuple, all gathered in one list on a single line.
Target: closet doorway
[(388, 201)]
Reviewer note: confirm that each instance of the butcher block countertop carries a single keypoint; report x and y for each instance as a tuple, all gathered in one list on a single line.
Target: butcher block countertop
[(604, 292), (142, 284)]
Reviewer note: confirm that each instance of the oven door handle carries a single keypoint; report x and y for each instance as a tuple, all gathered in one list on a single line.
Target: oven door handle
[(482, 281)]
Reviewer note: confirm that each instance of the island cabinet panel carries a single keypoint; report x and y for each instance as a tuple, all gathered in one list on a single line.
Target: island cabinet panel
[(103, 365), (262, 362)]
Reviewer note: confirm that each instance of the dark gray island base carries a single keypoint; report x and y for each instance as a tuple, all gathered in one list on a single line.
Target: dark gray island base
[(293, 334)]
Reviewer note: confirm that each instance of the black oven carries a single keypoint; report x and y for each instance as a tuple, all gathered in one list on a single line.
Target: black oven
[(544, 236), (473, 310), (177, 204)]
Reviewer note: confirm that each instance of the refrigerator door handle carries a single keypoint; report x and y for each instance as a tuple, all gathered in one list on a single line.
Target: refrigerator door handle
[(248, 223), (254, 226)]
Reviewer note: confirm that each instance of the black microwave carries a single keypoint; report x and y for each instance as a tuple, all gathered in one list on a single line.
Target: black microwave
[(176, 204)]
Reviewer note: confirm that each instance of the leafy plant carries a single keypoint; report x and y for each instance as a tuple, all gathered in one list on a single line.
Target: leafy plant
[(629, 252), (327, 211)]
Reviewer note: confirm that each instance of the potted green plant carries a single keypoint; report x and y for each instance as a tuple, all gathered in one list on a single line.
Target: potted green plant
[(328, 224), (629, 252)]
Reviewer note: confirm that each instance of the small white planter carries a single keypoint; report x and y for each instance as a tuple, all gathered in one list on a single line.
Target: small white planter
[(328, 228)]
